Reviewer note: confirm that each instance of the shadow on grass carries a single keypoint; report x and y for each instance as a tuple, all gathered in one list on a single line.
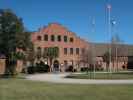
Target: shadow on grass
[(107, 76), (17, 76)]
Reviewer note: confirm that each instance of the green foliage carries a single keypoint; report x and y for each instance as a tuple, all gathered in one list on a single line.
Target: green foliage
[(12, 33), (30, 54), (12, 36), (20, 55), (51, 53), (11, 28)]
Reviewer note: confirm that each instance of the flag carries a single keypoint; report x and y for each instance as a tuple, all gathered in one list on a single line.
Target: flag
[(113, 22), (109, 6), (93, 22)]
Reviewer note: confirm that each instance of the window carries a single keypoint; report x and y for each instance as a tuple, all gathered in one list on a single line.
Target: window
[(71, 51), (45, 52), (39, 52), (45, 37), (59, 38), (65, 63), (65, 51), (52, 38), (38, 48), (77, 51), (65, 38), (82, 50), (71, 39), (39, 38)]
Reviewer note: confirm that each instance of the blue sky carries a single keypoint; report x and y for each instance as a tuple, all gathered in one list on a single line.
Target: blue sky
[(77, 16)]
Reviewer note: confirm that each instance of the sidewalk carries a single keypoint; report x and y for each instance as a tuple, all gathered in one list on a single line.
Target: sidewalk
[(59, 78)]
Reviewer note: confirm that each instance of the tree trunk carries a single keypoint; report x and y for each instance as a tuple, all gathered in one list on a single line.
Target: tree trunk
[(50, 67), (10, 67)]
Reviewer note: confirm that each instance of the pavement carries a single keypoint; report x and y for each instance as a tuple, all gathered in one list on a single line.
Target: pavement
[(60, 78)]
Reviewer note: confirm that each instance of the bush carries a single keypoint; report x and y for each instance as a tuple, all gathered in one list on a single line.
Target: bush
[(69, 69), (83, 69), (39, 68), (97, 68), (31, 70)]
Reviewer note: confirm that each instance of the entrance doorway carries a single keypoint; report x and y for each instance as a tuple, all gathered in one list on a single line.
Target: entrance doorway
[(56, 66)]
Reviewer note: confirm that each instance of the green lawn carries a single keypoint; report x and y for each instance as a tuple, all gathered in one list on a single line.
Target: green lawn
[(102, 76), (20, 89)]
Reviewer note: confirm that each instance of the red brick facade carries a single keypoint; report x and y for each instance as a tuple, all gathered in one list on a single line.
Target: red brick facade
[(42, 39), (54, 35)]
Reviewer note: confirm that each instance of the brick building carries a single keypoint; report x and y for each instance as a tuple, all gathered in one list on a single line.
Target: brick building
[(71, 48), (55, 35)]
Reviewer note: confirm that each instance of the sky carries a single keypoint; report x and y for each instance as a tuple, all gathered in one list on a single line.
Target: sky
[(77, 16)]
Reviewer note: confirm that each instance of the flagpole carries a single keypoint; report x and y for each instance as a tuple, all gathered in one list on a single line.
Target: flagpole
[(109, 32), (93, 46)]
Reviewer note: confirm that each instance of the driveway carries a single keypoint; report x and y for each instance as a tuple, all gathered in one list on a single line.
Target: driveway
[(60, 78)]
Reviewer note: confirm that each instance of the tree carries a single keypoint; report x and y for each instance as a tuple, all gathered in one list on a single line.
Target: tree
[(12, 37), (117, 50), (51, 53), (87, 58), (106, 60)]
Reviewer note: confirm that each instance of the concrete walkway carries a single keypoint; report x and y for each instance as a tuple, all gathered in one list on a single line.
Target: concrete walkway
[(59, 78)]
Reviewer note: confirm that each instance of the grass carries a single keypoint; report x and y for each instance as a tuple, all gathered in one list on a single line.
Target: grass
[(20, 89), (107, 76)]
